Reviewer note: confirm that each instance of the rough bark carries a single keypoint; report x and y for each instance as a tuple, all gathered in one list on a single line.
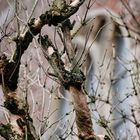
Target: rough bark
[(72, 80), (83, 117)]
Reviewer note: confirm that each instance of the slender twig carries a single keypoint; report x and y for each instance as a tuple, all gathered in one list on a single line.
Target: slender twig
[(17, 15), (128, 8), (31, 13)]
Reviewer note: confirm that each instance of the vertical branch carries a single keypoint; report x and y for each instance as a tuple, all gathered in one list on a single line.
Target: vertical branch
[(66, 26), (83, 117), (17, 16)]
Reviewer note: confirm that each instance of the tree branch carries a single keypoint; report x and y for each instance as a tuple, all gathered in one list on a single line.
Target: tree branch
[(9, 70)]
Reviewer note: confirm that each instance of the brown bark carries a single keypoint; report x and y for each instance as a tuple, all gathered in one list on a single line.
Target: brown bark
[(83, 117)]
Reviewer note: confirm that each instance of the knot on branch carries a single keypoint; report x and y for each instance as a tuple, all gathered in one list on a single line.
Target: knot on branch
[(73, 78), (56, 14), (67, 24), (35, 25), (59, 12), (52, 17)]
